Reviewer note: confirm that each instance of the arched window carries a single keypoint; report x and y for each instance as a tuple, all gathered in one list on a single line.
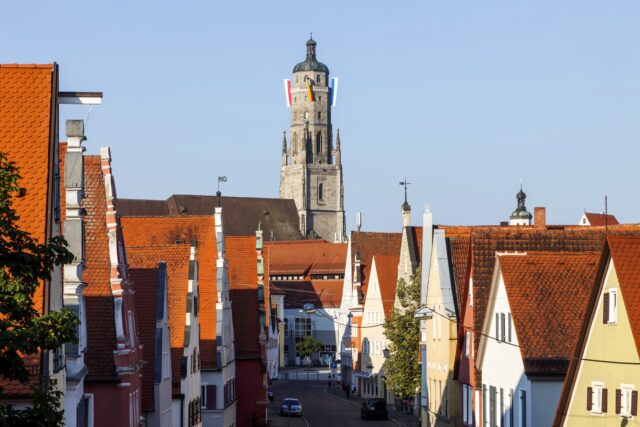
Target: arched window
[(318, 142), (320, 191), (319, 115), (318, 78)]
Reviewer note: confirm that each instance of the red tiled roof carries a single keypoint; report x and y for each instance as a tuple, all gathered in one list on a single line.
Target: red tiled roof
[(26, 109), (599, 219), (460, 251), (177, 258), (417, 232), (101, 335), (306, 257), (387, 269), (625, 252), (368, 244), (165, 230), (145, 281), (243, 283), (548, 295), (321, 293)]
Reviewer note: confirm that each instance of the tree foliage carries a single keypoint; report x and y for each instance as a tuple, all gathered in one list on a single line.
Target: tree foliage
[(25, 264), (403, 332), (308, 345)]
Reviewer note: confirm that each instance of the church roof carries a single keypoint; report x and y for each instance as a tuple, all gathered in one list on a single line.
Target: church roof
[(242, 214), (311, 63)]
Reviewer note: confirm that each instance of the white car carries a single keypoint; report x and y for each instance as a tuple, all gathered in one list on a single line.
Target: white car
[(291, 406)]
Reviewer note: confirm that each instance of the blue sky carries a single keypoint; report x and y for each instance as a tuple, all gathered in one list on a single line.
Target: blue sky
[(464, 99)]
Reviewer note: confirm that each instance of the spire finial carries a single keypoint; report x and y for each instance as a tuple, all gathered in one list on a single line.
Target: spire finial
[(284, 141), (311, 48), (405, 205)]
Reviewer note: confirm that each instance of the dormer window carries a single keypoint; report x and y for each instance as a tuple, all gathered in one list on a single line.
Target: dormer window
[(610, 307)]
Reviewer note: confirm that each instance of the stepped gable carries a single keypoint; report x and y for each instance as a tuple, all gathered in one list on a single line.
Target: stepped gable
[(145, 283), (163, 231), (369, 244), (176, 257), (242, 214), (387, 269), (625, 252), (548, 295)]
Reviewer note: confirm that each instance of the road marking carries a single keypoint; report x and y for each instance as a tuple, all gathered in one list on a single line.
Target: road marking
[(306, 421)]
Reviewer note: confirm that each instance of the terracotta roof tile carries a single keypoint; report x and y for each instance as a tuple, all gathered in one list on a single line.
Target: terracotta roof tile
[(26, 138), (321, 293), (548, 295), (166, 230), (145, 281), (368, 244), (101, 336), (597, 219), (243, 283), (387, 269), (625, 252), (460, 258), (177, 258), (307, 257)]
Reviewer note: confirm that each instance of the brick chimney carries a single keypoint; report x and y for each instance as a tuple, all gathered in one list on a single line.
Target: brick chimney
[(540, 217)]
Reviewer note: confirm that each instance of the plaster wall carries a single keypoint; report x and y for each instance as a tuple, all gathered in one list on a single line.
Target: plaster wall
[(609, 342)]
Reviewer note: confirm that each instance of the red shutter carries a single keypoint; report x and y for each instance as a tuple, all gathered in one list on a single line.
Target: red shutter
[(634, 403), (605, 400), (605, 308), (618, 401), (589, 398), (211, 397)]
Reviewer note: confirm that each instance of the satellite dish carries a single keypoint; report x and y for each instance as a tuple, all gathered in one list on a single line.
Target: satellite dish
[(309, 308)]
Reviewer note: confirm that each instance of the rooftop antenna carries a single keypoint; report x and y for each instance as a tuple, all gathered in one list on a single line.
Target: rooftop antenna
[(606, 214)]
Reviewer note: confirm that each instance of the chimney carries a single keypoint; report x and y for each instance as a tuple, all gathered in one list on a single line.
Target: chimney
[(540, 217)]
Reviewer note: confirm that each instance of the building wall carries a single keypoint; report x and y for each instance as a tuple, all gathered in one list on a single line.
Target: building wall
[(220, 417), (444, 393), (502, 366), (110, 404), (606, 342), (250, 390), (545, 396)]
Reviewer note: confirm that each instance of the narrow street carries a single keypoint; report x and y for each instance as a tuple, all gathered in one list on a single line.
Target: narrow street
[(319, 408)]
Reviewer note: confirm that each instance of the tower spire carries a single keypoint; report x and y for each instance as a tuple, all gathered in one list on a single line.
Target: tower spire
[(405, 209), (311, 48)]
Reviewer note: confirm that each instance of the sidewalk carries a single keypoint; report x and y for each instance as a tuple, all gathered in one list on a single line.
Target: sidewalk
[(401, 419)]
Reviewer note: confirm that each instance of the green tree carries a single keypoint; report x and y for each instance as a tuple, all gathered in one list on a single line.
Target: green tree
[(403, 332), (24, 264), (308, 345)]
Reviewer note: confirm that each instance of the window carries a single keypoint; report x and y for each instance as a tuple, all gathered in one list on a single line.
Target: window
[(597, 398), (465, 403), (319, 115), (132, 332), (493, 408), (320, 191), (302, 327), (318, 78), (467, 344), (503, 327), (208, 395), (306, 114), (470, 293), (610, 307), (166, 368), (626, 401), (318, 142), (523, 408)]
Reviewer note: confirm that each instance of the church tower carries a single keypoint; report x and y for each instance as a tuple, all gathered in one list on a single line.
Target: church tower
[(311, 172)]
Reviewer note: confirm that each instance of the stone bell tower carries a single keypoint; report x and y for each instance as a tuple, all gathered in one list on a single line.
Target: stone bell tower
[(311, 171)]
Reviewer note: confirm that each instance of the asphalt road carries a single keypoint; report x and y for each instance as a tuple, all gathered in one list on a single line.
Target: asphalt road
[(319, 408)]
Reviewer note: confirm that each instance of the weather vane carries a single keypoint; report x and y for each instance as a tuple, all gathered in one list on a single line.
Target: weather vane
[(221, 179), (405, 183)]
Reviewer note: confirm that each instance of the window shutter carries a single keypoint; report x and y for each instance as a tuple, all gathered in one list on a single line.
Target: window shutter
[(211, 397), (502, 326), (605, 308), (634, 403), (618, 401), (589, 398), (605, 400), (497, 326), (509, 335)]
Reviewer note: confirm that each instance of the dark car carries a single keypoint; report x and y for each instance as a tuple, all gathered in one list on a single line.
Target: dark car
[(374, 408)]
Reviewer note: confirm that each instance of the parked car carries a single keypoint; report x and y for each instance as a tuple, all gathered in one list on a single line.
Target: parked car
[(291, 406), (270, 394), (374, 408)]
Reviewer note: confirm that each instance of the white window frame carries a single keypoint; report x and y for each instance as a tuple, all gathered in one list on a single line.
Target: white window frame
[(596, 397), (470, 292), (626, 395), (465, 393), (613, 306)]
